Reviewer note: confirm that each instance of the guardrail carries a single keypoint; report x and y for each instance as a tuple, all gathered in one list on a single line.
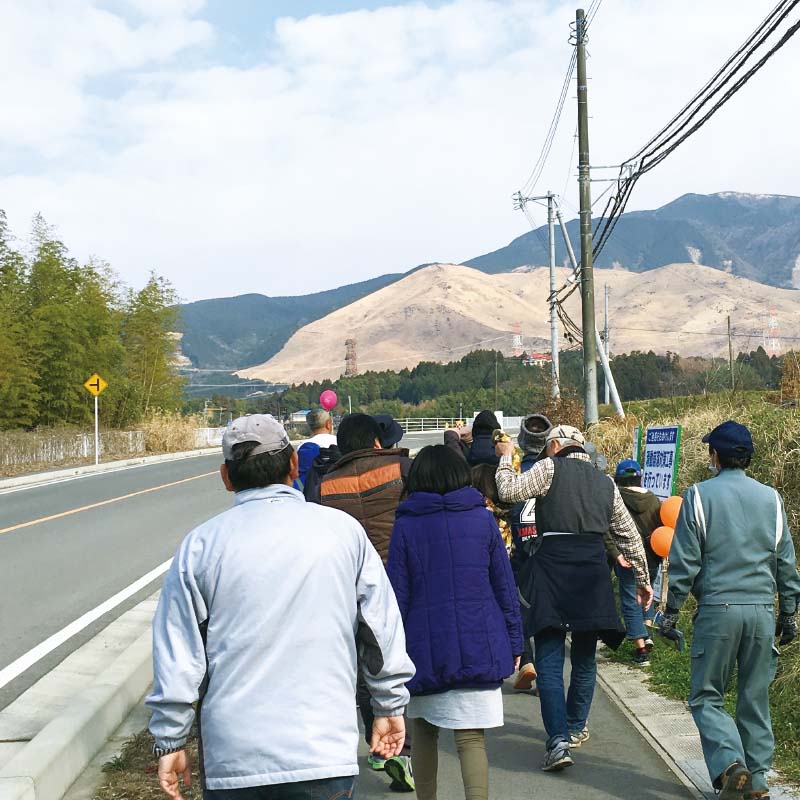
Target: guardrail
[(425, 424)]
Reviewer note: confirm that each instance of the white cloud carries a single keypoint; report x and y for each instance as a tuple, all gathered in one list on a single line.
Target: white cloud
[(360, 143)]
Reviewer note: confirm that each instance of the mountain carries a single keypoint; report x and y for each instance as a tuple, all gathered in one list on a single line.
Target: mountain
[(753, 236), (232, 332), (442, 312)]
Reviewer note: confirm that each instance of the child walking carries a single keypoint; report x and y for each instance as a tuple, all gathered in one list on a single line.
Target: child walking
[(452, 577)]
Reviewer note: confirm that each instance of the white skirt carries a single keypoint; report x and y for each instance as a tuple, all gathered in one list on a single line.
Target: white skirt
[(459, 709)]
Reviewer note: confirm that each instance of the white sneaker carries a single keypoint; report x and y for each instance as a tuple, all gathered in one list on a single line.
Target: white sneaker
[(579, 738)]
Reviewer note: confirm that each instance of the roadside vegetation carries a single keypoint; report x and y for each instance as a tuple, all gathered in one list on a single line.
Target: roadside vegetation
[(61, 321), (133, 775)]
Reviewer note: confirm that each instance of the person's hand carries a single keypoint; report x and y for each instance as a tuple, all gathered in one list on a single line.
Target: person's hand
[(644, 596), (667, 623), (504, 449), (388, 736), (171, 768), (517, 660), (786, 628), (623, 562)]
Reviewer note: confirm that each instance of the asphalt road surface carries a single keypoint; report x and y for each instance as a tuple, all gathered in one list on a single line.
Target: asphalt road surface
[(615, 763), (67, 548)]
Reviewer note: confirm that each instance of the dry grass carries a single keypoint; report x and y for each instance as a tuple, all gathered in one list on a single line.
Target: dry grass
[(132, 775), (170, 431), (23, 452)]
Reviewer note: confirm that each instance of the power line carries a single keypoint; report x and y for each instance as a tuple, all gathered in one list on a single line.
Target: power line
[(691, 118), (538, 168)]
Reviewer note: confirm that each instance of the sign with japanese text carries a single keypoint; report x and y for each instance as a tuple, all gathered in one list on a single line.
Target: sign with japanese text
[(661, 451)]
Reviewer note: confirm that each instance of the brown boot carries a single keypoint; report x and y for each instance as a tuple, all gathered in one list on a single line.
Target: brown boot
[(736, 783)]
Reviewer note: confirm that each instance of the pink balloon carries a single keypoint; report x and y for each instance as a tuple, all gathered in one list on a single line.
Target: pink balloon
[(328, 399)]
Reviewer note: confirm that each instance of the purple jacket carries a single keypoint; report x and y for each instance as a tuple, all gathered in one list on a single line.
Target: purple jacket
[(454, 585)]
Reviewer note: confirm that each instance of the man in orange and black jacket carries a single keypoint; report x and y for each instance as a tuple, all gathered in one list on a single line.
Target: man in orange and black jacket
[(367, 483)]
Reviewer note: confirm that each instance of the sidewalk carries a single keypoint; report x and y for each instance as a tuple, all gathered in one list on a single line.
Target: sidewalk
[(616, 762)]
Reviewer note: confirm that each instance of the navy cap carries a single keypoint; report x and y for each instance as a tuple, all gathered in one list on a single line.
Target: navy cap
[(391, 432), (730, 439), (628, 469)]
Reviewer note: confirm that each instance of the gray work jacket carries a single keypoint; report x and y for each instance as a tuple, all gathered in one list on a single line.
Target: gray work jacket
[(732, 545)]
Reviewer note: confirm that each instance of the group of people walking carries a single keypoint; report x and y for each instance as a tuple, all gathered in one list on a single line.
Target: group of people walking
[(419, 586)]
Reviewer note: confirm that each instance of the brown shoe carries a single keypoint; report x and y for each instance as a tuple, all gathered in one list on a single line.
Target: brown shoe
[(736, 783), (525, 678)]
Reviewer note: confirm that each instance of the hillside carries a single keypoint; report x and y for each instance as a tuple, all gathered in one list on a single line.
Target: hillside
[(231, 332), (441, 312), (753, 236)]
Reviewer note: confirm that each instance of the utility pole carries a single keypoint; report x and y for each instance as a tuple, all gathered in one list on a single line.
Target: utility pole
[(605, 342), (591, 415), (598, 341), (730, 355), (553, 289), (495, 380)]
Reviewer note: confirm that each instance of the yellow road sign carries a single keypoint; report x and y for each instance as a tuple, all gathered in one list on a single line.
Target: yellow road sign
[(96, 385)]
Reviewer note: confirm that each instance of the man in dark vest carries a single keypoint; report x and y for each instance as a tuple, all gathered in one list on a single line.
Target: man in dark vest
[(572, 591)]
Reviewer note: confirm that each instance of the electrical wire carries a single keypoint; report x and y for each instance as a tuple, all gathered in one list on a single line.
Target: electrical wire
[(536, 174), (725, 84)]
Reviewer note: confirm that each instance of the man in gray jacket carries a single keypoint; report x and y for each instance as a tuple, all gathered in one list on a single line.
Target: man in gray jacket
[(733, 551), (252, 598)]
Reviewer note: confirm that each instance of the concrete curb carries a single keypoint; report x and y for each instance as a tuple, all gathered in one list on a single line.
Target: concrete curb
[(50, 763), (69, 473)]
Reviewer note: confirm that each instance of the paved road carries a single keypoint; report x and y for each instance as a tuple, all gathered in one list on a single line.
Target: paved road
[(616, 762), (81, 541)]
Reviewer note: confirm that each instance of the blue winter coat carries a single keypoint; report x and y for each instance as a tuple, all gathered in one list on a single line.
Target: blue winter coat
[(454, 585)]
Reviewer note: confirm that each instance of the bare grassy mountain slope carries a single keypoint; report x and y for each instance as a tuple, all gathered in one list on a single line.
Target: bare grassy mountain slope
[(443, 311)]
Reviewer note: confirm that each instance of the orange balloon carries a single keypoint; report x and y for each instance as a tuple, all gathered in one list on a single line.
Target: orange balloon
[(670, 509), (661, 540)]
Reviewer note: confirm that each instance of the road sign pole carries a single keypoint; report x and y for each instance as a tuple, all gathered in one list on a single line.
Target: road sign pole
[(96, 432)]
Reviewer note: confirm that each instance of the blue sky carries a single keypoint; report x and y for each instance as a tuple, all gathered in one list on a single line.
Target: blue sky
[(250, 146)]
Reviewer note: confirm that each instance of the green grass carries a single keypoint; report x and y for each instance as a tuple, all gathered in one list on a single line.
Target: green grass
[(669, 673)]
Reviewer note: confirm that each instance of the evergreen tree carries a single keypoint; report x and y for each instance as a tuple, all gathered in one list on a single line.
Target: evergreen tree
[(150, 346)]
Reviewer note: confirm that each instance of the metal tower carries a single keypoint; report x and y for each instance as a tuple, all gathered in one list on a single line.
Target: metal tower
[(350, 359)]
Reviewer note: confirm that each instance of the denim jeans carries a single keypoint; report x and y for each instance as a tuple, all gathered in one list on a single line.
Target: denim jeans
[(326, 789), (633, 614), (564, 715)]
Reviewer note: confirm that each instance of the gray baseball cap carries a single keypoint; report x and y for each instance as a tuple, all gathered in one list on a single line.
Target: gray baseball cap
[(262, 428)]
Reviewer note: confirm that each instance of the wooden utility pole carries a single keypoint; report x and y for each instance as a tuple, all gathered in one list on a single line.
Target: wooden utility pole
[(605, 344), (588, 326), (553, 289), (730, 356), (495, 380)]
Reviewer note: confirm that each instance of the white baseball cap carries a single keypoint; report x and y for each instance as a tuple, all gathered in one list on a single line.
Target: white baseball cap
[(566, 432)]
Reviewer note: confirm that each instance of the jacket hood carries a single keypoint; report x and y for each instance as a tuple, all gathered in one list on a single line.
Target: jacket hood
[(421, 503), (533, 433), (635, 498), (485, 422)]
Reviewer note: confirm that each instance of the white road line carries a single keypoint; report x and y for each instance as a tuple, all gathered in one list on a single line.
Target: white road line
[(24, 662)]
